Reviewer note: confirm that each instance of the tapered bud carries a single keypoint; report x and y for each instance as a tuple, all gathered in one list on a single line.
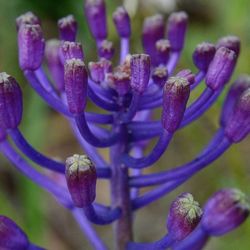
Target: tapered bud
[(203, 55), (238, 123), (95, 11), (31, 46), (67, 28), (106, 49), (175, 97), (27, 18), (11, 104), (11, 235), (54, 63), (225, 210), (184, 215), (81, 180), (160, 75), (69, 50), (121, 20), (187, 73), (76, 82), (163, 51), (221, 68), (230, 42), (140, 72), (98, 70), (176, 29), (239, 86)]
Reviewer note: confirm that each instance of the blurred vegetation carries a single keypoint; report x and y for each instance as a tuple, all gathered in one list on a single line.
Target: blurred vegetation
[(36, 211)]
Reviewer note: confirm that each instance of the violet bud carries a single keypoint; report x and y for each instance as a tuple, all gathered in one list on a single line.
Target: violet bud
[(98, 70), (76, 82), (163, 51), (11, 104), (81, 180), (187, 73), (11, 235), (221, 68), (67, 28), (31, 46), (184, 215), (140, 72), (95, 11), (121, 20), (230, 42), (238, 123), (175, 96), (27, 18), (203, 55), (160, 75), (106, 49), (176, 29), (54, 63), (69, 50), (239, 86), (225, 210)]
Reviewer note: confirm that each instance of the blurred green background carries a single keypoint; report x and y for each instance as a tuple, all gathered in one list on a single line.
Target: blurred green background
[(47, 223)]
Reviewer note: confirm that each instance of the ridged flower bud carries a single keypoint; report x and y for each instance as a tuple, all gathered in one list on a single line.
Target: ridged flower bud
[(121, 20), (187, 73), (11, 104), (69, 50), (31, 46), (221, 68), (106, 49), (203, 55), (81, 180), (76, 82), (230, 42), (176, 29), (95, 11), (160, 75), (98, 70), (163, 50), (67, 28), (225, 210), (27, 18), (184, 215), (175, 96)]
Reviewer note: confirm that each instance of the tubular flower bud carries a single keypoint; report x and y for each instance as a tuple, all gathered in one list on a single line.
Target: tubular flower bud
[(11, 236), (239, 86), (225, 210), (230, 42), (27, 18), (140, 72), (69, 50), (163, 50), (160, 75), (76, 81), (81, 179), (221, 68), (238, 124), (121, 20), (54, 63), (175, 97), (176, 29), (95, 11), (184, 215), (187, 73), (67, 28), (203, 55), (106, 49), (11, 104), (31, 46), (98, 70)]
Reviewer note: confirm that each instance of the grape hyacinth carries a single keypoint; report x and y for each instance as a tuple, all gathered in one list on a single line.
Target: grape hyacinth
[(128, 92)]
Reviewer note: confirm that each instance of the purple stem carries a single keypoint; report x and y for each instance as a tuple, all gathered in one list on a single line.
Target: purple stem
[(99, 118), (34, 247), (198, 79), (172, 63), (124, 50)]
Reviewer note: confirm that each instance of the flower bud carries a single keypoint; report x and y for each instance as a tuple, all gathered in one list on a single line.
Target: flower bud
[(239, 86), (187, 73), (121, 20), (225, 210), (238, 123), (11, 104), (163, 51), (230, 42), (27, 18), (11, 236), (175, 97), (140, 72), (76, 81), (221, 68), (160, 75), (98, 70), (106, 49), (203, 55), (31, 46), (184, 215), (176, 29), (95, 11), (67, 28), (69, 50), (81, 180)]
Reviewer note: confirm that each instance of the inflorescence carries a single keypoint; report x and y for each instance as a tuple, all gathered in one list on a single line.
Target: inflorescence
[(128, 92)]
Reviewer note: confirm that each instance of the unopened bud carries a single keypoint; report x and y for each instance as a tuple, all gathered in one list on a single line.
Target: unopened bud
[(69, 50), (187, 73), (230, 42), (67, 28), (106, 49), (98, 70), (27, 18), (160, 75), (163, 51)]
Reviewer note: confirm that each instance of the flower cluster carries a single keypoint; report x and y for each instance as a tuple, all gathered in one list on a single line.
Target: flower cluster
[(128, 92)]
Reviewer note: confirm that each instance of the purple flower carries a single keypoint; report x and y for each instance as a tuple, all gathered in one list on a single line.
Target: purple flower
[(230, 42), (70, 50), (99, 70), (106, 49), (160, 75), (67, 28), (163, 51), (27, 18)]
